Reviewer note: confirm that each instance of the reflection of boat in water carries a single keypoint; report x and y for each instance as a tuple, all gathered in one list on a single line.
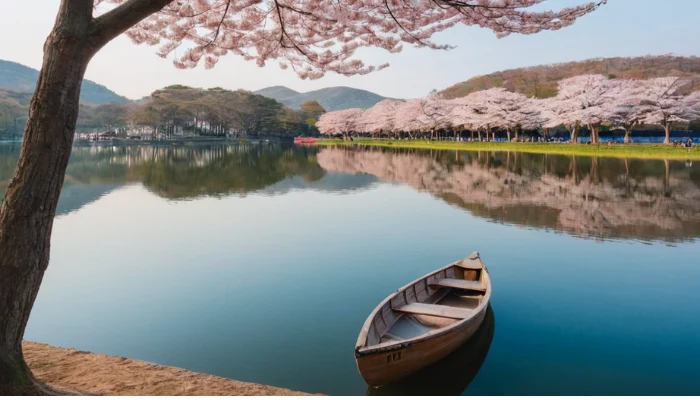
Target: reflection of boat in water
[(450, 376), (423, 321)]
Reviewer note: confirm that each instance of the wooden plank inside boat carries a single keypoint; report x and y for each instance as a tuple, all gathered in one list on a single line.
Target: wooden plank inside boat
[(460, 284), (435, 310), (470, 264)]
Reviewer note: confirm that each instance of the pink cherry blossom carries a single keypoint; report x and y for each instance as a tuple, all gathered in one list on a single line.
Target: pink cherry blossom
[(380, 117), (669, 100), (339, 122), (313, 37), (582, 101)]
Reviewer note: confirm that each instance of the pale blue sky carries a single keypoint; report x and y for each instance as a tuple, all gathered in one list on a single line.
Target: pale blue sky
[(620, 28)]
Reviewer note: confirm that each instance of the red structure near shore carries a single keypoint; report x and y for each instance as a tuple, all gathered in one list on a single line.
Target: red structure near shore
[(304, 140)]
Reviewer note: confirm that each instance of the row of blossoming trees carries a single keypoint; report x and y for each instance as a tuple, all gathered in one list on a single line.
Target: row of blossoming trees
[(586, 101)]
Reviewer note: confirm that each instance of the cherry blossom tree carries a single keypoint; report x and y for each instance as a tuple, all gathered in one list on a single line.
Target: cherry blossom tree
[(669, 100), (628, 105), (328, 123), (539, 114), (531, 114), (435, 114), (340, 122), (582, 100), (478, 112), (409, 117), (379, 118), (312, 37), (508, 110), (469, 112)]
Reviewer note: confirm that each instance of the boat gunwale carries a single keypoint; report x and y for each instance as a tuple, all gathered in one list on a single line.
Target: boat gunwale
[(362, 350)]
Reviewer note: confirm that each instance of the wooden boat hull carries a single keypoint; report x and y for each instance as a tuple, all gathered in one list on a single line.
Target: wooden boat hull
[(450, 376), (393, 364), (423, 322)]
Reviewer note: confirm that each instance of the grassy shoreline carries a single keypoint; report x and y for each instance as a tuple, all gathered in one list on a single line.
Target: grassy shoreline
[(648, 151)]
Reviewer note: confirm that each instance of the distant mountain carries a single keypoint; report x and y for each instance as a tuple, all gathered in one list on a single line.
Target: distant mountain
[(541, 81), (278, 92), (75, 197), (332, 98), (19, 78), (334, 182)]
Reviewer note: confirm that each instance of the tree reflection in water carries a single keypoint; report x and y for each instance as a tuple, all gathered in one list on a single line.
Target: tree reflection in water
[(584, 196), (601, 198), (175, 172)]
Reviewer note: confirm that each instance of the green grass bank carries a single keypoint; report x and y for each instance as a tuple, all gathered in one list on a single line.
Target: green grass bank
[(648, 151)]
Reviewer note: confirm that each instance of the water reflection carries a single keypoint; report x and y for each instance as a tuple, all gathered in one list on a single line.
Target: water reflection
[(199, 263), (584, 196), (601, 198), (183, 173), (452, 375)]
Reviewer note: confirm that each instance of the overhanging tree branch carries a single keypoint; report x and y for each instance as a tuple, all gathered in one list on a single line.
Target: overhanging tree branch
[(119, 20)]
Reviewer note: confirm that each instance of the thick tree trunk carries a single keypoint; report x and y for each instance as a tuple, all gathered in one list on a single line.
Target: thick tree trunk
[(29, 207), (627, 136), (596, 133), (508, 134), (667, 130)]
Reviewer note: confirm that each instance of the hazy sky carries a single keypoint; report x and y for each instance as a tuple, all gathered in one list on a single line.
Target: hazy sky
[(620, 28)]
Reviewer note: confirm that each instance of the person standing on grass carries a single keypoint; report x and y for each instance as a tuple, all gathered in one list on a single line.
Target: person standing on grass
[(689, 144)]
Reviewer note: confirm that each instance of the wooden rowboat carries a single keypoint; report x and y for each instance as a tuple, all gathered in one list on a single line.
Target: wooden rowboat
[(450, 376), (423, 321)]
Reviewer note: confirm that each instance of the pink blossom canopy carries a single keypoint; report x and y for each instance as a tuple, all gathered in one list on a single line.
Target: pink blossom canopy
[(318, 36), (582, 100)]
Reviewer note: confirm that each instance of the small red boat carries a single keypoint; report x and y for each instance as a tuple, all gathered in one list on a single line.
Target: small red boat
[(304, 140)]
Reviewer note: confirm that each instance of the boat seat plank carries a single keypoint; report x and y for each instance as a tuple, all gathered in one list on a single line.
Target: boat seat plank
[(470, 265), (435, 310), (460, 284)]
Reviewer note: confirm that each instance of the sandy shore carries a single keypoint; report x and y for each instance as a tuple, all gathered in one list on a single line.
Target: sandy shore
[(101, 374)]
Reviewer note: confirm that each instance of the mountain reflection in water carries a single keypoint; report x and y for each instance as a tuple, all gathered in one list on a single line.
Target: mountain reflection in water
[(601, 198), (584, 196), (189, 172)]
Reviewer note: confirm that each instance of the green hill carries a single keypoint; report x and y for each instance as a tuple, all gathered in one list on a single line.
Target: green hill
[(541, 81), (278, 92), (19, 78), (332, 98)]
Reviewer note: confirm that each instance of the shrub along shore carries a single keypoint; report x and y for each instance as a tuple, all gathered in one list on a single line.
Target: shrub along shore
[(650, 151)]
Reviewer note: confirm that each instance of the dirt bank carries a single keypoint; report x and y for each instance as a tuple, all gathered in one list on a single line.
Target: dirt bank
[(91, 373)]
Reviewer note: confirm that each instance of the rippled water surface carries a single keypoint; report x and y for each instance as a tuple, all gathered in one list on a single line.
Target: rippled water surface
[(261, 262)]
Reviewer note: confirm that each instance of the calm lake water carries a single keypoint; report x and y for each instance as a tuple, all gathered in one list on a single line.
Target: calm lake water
[(261, 263)]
